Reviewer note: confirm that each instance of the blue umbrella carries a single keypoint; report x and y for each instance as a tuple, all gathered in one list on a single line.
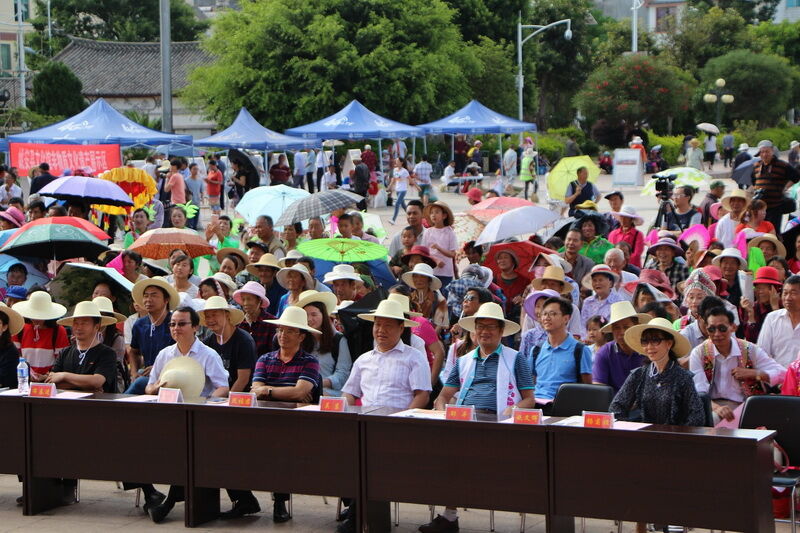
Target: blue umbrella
[(88, 190), (35, 277), (269, 201)]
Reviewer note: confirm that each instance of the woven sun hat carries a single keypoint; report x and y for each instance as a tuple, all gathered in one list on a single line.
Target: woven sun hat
[(633, 337), (388, 309), (218, 303), (15, 320), (292, 255), (294, 317), (735, 253), (186, 374), (87, 309), (628, 211), (586, 282), (106, 307), (769, 237), (266, 260), (621, 311), (553, 273), (301, 269), (342, 272), (404, 302), (422, 269), (489, 310), (222, 253), (328, 299), (254, 288), (162, 283), (448, 213), (735, 193), (40, 306)]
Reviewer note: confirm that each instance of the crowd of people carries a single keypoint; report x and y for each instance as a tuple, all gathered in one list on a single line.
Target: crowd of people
[(705, 308)]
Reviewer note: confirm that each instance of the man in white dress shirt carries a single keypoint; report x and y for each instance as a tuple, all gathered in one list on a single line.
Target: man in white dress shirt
[(780, 332)]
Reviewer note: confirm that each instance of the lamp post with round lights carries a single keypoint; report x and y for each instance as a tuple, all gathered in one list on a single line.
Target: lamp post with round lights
[(718, 97)]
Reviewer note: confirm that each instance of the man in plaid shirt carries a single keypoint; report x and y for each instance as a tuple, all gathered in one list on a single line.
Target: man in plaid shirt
[(664, 252), (422, 177)]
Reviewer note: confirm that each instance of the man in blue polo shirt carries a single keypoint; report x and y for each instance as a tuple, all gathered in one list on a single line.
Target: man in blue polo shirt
[(555, 364), (615, 360), (493, 378)]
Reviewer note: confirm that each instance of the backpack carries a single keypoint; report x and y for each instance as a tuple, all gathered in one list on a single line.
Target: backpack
[(337, 338), (577, 353)]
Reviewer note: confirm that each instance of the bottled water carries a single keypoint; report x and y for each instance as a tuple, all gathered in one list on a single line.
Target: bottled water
[(23, 377)]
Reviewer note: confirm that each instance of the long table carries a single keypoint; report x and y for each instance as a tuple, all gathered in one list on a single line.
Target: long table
[(700, 477)]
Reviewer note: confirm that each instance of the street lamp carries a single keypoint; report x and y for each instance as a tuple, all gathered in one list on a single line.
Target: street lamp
[(719, 97), (538, 28)]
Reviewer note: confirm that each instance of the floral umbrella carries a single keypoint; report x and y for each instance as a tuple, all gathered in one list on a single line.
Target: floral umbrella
[(491, 207), (137, 184), (159, 243)]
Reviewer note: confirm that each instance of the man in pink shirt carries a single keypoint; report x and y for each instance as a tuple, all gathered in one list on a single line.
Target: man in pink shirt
[(175, 185)]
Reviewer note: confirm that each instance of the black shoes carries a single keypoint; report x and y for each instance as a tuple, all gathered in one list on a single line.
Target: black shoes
[(241, 508), (440, 524), (279, 512), (348, 526), (152, 500), (159, 512)]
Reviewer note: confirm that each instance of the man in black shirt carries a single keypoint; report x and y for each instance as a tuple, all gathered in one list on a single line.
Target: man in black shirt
[(42, 179), (87, 365), (361, 182)]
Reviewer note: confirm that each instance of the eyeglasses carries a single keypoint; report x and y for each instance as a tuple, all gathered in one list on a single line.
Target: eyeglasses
[(487, 327), (713, 329), (549, 314), (178, 324), (656, 341), (469, 298)]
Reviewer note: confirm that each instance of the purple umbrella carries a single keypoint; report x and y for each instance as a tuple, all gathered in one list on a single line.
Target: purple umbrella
[(88, 190)]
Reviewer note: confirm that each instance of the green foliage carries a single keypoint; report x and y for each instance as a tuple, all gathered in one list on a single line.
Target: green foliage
[(566, 133), (763, 10), (670, 145), (701, 36), (747, 130), (780, 39), (761, 84), (495, 19), (635, 88), (291, 62), (615, 39), (551, 146), (492, 82), (144, 119), (57, 91), (781, 137), (22, 117)]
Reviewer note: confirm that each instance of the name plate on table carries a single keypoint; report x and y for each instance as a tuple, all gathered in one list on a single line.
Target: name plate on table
[(460, 412), (598, 420), (167, 395), (43, 390), (242, 399), (333, 404), (530, 417)]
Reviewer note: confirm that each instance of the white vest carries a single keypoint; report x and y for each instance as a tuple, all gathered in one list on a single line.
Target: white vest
[(507, 392)]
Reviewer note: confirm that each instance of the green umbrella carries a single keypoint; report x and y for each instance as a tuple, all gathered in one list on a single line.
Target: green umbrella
[(342, 250), (54, 241), (76, 281)]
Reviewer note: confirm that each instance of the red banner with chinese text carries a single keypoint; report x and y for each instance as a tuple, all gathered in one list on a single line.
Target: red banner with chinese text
[(98, 157)]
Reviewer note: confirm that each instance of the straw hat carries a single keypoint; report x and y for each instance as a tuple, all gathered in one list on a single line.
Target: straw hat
[(694, 142), (553, 273), (769, 237), (629, 212), (735, 193), (15, 320), (219, 303), (328, 299), (493, 311), (404, 302), (730, 252), (139, 287), (554, 260), (586, 282), (622, 310), (224, 279), (222, 253), (448, 220), (284, 272), (186, 374), (291, 255), (633, 336), (388, 309), (266, 260), (530, 301), (342, 272), (342, 305), (13, 215), (155, 268), (423, 251), (87, 309), (421, 269), (165, 165), (254, 288), (744, 147), (40, 306), (588, 204), (293, 317), (107, 308)]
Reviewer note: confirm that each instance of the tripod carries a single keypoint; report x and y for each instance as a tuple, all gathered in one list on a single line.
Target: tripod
[(665, 206)]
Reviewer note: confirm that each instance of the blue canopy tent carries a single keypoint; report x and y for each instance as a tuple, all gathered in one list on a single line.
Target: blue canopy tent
[(474, 119), (180, 150), (98, 124), (247, 133), (355, 121)]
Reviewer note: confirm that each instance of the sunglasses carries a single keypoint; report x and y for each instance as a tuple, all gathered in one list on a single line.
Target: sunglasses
[(655, 341), (469, 298), (178, 324), (713, 329)]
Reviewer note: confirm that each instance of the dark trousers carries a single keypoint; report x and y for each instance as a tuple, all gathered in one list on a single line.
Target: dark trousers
[(310, 180), (775, 216), (238, 495), (320, 172)]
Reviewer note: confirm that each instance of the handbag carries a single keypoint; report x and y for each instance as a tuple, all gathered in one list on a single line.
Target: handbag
[(788, 205)]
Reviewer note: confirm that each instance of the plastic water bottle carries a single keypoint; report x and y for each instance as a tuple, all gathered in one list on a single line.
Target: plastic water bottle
[(23, 377)]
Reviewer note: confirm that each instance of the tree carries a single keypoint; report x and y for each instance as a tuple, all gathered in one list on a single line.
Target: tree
[(496, 19), (57, 91), (762, 85), (780, 39), (615, 39), (700, 37), (751, 11), (291, 61), (493, 81), (635, 89)]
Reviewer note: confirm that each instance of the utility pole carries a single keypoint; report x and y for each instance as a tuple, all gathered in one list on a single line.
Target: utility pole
[(166, 67), (23, 97)]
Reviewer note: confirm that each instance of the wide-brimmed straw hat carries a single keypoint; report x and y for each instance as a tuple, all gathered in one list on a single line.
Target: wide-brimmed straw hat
[(733, 253), (283, 273), (448, 221), (586, 282), (669, 243), (266, 260), (186, 374), (530, 301), (87, 309), (553, 273), (422, 269), (621, 311), (15, 320), (404, 302), (769, 237), (40, 306), (342, 272), (554, 260), (328, 299), (218, 303), (293, 317), (423, 251), (254, 288), (138, 291), (291, 255), (106, 307), (633, 337), (222, 253), (388, 309), (490, 310), (735, 193), (629, 212)]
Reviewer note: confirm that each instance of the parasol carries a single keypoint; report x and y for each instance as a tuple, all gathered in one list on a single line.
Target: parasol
[(76, 281), (53, 241), (743, 174), (708, 128), (138, 185), (88, 190), (566, 171), (491, 207), (526, 253), (342, 250), (67, 221), (159, 243), (519, 221), (317, 205), (35, 277), (269, 201), (467, 227)]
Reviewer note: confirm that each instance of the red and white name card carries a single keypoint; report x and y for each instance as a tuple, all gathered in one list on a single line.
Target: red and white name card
[(333, 404), (460, 412), (43, 390), (167, 395), (598, 420), (530, 417), (242, 399)]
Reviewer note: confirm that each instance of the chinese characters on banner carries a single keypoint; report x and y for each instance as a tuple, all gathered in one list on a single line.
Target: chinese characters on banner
[(98, 157)]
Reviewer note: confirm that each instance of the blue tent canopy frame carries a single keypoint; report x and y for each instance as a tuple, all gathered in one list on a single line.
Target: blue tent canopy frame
[(247, 133), (355, 121), (475, 119)]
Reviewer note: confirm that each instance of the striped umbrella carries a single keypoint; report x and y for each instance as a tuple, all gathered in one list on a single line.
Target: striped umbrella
[(54, 241), (159, 243), (317, 205)]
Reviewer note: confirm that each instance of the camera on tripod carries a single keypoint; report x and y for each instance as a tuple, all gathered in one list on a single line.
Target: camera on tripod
[(664, 185)]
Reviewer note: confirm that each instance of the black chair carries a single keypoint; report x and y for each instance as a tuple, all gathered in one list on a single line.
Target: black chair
[(781, 414), (706, 399), (573, 399)]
